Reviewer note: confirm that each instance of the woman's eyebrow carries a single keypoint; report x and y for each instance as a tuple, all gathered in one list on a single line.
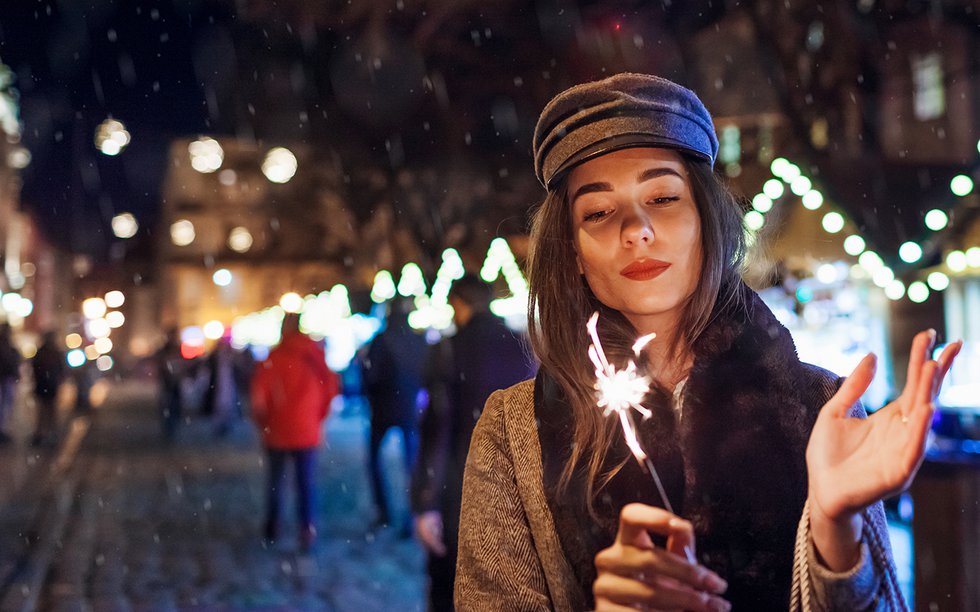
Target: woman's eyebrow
[(653, 173), (591, 188)]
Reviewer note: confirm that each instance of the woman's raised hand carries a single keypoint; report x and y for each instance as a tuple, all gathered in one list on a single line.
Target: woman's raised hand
[(853, 463), (634, 574)]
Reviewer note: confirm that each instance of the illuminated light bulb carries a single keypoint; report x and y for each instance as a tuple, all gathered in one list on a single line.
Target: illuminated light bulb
[(956, 261), (97, 328), (938, 281), (936, 219), (222, 277), (411, 281), (833, 222), (240, 240), (754, 220), (115, 299), (24, 308), (102, 345), (291, 302), (895, 290), (214, 330), (973, 257), (111, 137), (800, 185), (279, 165), (124, 225), (206, 155), (384, 287), (910, 252), (93, 308), (812, 200), (73, 341), (762, 203), (827, 273), (182, 232), (870, 261), (115, 319), (854, 245), (773, 188), (882, 276), (961, 185), (75, 357), (778, 166), (791, 172), (918, 292)]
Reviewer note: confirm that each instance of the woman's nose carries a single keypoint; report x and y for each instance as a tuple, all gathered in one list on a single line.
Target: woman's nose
[(637, 229)]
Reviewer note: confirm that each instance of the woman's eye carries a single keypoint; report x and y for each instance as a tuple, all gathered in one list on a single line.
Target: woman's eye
[(663, 200), (595, 216)]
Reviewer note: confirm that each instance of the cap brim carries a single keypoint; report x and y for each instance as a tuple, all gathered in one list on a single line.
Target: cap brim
[(618, 142)]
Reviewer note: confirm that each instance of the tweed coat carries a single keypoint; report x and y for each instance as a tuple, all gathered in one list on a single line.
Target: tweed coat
[(519, 550)]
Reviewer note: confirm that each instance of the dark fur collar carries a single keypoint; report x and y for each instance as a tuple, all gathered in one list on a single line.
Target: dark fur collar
[(734, 466)]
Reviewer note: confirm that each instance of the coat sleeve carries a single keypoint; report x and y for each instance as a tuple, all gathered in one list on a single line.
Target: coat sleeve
[(498, 566)]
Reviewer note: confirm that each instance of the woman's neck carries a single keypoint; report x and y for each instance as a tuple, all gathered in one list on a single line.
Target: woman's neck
[(668, 367)]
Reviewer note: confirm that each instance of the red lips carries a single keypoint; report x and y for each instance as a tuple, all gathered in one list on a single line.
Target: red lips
[(644, 269)]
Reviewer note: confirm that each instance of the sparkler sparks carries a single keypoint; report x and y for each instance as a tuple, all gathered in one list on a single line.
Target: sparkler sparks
[(622, 391)]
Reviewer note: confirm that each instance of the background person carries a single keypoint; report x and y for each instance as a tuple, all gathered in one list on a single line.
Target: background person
[(291, 395), (392, 374), (482, 357), (49, 367)]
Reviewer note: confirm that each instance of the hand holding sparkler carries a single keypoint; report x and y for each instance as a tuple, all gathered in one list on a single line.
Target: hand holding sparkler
[(634, 572)]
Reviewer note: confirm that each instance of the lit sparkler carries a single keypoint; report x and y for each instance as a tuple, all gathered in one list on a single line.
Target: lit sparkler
[(622, 392)]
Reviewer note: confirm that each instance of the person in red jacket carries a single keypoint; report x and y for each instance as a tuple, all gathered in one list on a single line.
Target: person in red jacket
[(291, 393)]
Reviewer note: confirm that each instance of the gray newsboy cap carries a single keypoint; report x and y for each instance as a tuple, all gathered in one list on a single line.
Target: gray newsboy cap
[(622, 111)]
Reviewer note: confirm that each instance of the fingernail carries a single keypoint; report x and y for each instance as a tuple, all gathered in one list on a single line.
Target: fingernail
[(716, 584), (719, 605)]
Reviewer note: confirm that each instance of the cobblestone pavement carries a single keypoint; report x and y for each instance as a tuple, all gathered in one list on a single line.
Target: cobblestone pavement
[(114, 519)]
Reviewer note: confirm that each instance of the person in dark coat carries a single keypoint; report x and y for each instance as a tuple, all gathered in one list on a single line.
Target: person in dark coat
[(392, 382), (9, 375), (49, 371), (462, 372), (171, 369)]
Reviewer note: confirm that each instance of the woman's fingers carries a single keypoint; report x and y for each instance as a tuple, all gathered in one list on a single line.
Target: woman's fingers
[(946, 362), (659, 595), (648, 565), (635, 520), (853, 387), (918, 355)]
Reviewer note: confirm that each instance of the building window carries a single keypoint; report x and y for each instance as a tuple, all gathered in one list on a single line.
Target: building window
[(928, 95)]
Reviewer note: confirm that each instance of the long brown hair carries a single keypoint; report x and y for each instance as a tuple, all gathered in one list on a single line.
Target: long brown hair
[(561, 303)]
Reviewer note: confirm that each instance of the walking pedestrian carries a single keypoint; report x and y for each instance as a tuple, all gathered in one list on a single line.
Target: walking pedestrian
[(771, 465), (483, 356), (223, 401), (9, 376), (392, 382), (171, 369), (49, 367), (291, 394)]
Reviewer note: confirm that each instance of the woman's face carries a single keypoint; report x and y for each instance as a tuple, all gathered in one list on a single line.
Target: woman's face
[(637, 233)]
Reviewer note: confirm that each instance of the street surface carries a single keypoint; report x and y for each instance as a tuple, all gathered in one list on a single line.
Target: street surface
[(115, 519)]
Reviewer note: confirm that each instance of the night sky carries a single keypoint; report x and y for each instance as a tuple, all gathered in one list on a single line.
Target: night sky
[(78, 63)]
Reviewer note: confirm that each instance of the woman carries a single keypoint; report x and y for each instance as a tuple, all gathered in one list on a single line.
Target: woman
[(773, 473)]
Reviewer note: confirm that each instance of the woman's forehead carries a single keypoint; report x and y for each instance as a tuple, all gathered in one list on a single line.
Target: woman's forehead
[(624, 162)]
